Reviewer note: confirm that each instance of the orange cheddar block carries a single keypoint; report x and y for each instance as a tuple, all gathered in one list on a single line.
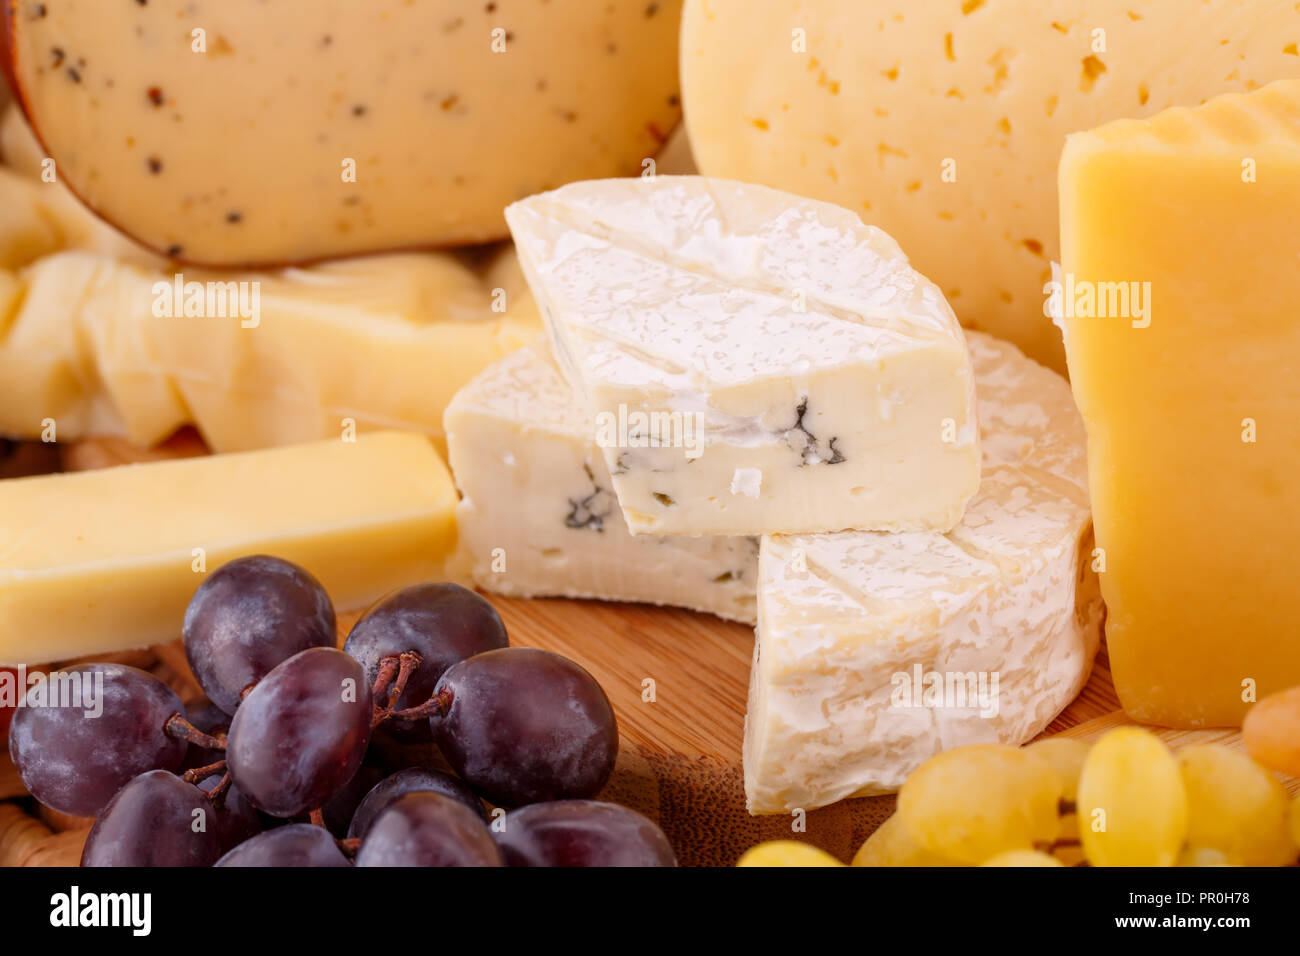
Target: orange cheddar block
[(1180, 297)]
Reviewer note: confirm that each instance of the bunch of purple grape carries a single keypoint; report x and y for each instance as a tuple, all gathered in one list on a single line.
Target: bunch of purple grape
[(290, 760)]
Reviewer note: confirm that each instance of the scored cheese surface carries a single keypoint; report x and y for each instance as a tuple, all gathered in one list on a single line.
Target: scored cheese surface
[(825, 382), (538, 516), (1190, 389), (942, 122), (236, 147), (1008, 592)]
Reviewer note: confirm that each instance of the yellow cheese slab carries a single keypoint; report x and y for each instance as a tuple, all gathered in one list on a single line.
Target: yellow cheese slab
[(100, 561), (1191, 395), (942, 121), (381, 341)]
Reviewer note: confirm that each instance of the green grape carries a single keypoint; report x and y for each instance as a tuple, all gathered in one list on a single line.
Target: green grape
[(786, 853), (1132, 805), (1023, 858), (892, 845), (1201, 856), (975, 802), (1066, 756), (1295, 825), (1069, 852), (1234, 806)]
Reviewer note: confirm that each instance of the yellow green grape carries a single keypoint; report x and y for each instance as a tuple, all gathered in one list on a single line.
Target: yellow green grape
[(892, 845), (1132, 806), (1201, 856), (1234, 806), (975, 802), (1066, 756), (1023, 858), (1294, 820), (786, 853)]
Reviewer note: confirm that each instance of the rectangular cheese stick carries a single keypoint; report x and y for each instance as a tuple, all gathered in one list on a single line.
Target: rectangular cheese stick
[(100, 561)]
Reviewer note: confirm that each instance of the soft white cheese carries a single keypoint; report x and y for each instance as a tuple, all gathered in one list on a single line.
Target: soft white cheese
[(855, 628), (714, 328), (538, 516)]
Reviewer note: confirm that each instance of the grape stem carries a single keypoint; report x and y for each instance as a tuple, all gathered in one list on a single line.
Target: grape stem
[(195, 774), (387, 671), (350, 846), (435, 706), (219, 791), (407, 662), (317, 818), (180, 728), (390, 682)]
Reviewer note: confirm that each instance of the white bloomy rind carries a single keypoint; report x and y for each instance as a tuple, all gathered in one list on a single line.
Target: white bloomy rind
[(798, 338), (1007, 595)]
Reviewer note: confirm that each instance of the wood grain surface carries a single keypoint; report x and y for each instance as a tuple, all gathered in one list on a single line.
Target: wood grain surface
[(680, 747)]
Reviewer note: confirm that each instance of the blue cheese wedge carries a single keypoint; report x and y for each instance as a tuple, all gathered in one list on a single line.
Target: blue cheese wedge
[(752, 361), (877, 651), (538, 515)]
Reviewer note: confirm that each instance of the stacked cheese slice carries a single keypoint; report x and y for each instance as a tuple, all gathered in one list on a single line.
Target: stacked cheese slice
[(730, 364)]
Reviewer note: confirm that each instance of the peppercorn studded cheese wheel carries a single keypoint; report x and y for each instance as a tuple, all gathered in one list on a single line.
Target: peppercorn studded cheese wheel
[(228, 132), (942, 122)]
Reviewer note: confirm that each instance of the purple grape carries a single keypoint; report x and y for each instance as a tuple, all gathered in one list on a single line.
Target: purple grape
[(298, 738), (582, 833), (248, 616), (443, 623), (428, 829), (74, 762), (413, 780), (154, 821), (522, 725), (297, 844), (340, 808), (237, 819)]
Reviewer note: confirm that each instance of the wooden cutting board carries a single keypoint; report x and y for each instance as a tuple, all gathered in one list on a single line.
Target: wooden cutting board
[(680, 753)]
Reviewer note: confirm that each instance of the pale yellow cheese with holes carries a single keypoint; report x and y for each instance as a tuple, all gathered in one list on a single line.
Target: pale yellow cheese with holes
[(942, 121), (303, 129), (100, 561)]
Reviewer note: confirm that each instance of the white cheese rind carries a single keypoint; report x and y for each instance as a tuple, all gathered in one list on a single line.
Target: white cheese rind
[(538, 516), (784, 335), (1009, 592)]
